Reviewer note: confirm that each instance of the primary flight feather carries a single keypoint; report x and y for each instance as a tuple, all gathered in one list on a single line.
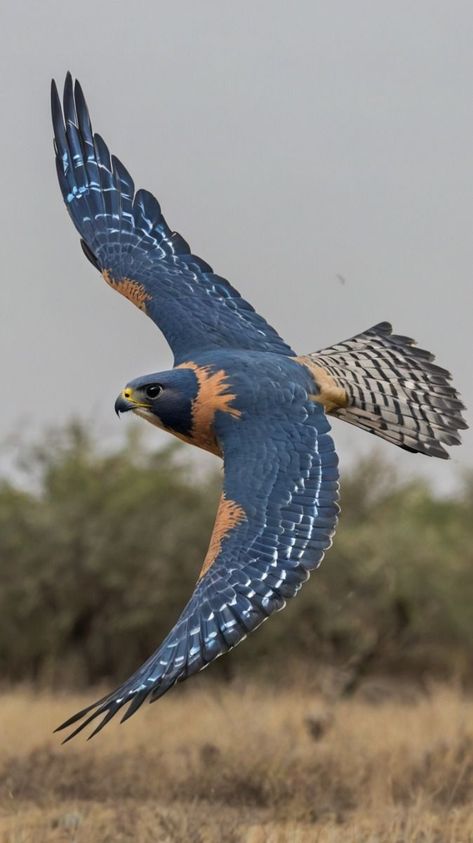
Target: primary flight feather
[(237, 390)]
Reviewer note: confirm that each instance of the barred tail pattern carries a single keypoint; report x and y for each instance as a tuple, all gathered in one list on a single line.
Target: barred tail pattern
[(394, 390)]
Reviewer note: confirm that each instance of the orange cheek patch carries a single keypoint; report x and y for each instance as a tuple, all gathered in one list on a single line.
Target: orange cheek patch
[(229, 515), (134, 291), (212, 396)]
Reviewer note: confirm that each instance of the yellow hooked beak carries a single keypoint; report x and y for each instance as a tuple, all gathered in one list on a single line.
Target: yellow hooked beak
[(128, 400)]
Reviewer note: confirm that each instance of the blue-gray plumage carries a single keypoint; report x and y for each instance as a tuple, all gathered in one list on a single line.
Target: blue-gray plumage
[(238, 390)]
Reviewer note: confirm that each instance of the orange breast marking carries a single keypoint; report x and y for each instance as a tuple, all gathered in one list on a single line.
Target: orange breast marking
[(229, 515), (134, 291), (212, 396)]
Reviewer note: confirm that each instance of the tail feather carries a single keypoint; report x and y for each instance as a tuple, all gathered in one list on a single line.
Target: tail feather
[(393, 389)]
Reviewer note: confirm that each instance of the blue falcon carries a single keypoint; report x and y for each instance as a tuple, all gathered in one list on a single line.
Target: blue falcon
[(238, 390)]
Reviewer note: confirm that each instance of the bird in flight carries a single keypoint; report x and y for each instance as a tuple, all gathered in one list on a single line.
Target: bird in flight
[(238, 390)]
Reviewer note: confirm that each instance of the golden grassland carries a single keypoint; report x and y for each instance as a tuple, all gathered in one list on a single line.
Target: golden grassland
[(243, 764)]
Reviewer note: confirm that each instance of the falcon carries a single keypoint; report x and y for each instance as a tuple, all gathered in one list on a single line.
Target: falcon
[(238, 390)]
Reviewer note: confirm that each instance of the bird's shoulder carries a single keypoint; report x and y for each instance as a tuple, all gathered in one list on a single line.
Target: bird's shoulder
[(256, 381)]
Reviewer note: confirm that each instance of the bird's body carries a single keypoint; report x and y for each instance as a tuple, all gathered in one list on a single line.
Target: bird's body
[(205, 395), (238, 390)]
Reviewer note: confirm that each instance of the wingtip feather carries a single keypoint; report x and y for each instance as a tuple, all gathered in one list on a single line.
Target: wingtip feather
[(68, 100)]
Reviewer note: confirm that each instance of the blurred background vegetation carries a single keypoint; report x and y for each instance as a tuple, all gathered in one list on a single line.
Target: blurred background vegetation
[(100, 551)]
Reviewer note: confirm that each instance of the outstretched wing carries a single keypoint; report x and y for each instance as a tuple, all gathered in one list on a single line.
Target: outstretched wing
[(126, 237), (276, 519)]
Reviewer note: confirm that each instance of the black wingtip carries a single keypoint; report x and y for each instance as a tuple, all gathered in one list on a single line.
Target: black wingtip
[(60, 142), (68, 84), (55, 102), (114, 707), (81, 726), (80, 714), (102, 723), (135, 704), (107, 706), (79, 93), (68, 100), (76, 717)]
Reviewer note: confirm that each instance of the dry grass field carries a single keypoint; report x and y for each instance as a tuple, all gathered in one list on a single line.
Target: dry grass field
[(211, 764)]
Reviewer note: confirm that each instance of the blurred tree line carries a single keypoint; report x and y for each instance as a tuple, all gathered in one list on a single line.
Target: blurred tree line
[(100, 551)]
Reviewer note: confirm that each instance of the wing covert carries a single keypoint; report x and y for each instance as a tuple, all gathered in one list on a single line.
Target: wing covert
[(276, 519), (126, 237)]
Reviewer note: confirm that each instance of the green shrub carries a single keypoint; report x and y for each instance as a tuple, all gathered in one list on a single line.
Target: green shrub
[(101, 551)]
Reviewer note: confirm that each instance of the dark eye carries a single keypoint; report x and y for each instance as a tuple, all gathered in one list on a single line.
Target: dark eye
[(153, 390)]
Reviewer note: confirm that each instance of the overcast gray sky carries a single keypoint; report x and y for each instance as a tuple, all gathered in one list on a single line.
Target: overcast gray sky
[(289, 142)]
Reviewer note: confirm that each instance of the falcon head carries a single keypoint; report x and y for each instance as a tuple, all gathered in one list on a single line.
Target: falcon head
[(163, 398)]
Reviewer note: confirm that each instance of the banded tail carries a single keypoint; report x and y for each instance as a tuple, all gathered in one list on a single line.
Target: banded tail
[(384, 383)]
